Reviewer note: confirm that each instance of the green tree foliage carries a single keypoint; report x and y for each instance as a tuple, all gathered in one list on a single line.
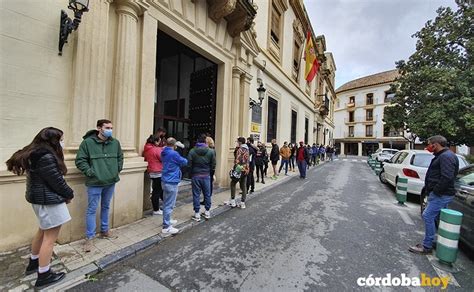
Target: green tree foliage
[(434, 93)]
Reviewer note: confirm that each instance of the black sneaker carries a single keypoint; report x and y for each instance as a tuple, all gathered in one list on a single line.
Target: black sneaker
[(202, 203), (32, 267), (48, 278)]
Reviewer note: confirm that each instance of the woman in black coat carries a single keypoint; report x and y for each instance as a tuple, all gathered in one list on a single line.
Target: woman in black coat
[(48, 194)]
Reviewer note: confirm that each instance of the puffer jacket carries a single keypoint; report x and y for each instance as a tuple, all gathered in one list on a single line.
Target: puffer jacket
[(442, 173), (152, 155), (201, 160), (45, 184)]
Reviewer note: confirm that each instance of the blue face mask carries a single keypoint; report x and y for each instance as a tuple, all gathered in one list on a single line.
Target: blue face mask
[(107, 133)]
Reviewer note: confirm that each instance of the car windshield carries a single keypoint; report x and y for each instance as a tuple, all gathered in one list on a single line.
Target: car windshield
[(422, 160)]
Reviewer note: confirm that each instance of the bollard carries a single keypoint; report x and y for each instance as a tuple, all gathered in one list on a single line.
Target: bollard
[(402, 188), (448, 236), (378, 167), (372, 164)]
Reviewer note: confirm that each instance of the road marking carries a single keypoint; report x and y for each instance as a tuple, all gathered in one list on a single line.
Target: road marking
[(442, 273), (405, 217), (344, 160), (354, 160)]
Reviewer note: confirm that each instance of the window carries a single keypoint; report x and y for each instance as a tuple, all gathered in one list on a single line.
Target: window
[(306, 129), (369, 131), (296, 59), (351, 131), (389, 96), (370, 98), (421, 160), (352, 99), (395, 157), (294, 121), (272, 119), (351, 117), (369, 115), (402, 157), (275, 32)]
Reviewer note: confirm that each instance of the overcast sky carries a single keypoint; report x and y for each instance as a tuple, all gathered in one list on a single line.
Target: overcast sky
[(368, 36)]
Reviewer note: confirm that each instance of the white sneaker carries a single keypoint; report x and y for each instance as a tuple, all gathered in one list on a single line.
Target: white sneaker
[(232, 203), (169, 230), (206, 214), (159, 212), (196, 217), (173, 222), (242, 205)]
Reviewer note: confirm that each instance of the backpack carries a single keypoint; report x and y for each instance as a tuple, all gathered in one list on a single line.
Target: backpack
[(236, 172)]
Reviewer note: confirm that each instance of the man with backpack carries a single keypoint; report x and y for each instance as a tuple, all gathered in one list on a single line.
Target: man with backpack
[(239, 173)]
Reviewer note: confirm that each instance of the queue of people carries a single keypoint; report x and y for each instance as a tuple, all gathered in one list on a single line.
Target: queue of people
[(100, 159)]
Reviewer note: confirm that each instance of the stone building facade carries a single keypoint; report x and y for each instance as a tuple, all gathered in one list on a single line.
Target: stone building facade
[(359, 116), (187, 65)]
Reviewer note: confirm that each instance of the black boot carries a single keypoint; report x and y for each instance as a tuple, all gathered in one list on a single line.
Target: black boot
[(48, 278), (32, 267)]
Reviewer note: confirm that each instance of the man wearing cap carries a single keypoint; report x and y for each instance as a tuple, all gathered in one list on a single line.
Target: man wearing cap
[(302, 156), (439, 184)]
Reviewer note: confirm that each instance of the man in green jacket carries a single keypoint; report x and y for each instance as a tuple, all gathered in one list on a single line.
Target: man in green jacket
[(100, 159)]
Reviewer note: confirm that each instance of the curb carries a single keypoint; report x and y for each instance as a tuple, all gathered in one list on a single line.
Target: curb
[(80, 275)]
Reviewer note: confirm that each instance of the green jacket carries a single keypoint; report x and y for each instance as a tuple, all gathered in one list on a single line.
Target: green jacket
[(201, 160), (100, 161)]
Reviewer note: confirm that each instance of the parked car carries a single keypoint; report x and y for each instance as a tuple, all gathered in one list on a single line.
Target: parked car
[(383, 154), (464, 202), (413, 165)]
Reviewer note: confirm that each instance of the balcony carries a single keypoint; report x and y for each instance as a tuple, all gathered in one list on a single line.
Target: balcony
[(366, 120), (350, 104), (361, 135), (239, 14), (323, 110)]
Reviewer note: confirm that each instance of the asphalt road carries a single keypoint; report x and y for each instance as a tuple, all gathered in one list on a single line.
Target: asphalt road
[(322, 233)]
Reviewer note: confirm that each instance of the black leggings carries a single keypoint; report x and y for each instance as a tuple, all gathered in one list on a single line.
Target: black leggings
[(156, 193), (260, 171)]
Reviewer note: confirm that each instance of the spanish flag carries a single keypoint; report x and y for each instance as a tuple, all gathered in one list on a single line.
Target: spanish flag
[(312, 64)]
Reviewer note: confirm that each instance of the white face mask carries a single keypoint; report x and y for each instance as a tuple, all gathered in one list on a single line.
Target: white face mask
[(62, 144)]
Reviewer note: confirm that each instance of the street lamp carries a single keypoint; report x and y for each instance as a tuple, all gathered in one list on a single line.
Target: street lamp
[(261, 96), (67, 25)]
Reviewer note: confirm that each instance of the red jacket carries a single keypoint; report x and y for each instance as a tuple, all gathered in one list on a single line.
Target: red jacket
[(152, 155)]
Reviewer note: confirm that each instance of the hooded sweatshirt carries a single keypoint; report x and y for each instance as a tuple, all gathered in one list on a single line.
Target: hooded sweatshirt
[(152, 155), (201, 160), (100, 161), (172, 162)]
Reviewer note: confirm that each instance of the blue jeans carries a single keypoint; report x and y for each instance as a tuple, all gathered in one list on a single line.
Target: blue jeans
[(433, 209), (201, 184), (302, 168), (284, 162), (94, 195), (170, 191)]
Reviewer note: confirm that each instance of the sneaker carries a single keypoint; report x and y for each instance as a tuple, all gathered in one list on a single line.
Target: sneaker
[(87, 247), (32, 266), (196, 217), (108, 235), (263, 182), (48, 278), (232, 203), (242, 205), (159, 212), (206, 214), (173, 222), (420, 249), (257, 180), (170, 230)]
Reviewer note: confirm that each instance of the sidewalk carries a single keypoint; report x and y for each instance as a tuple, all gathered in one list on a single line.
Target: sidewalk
[(132, 238)]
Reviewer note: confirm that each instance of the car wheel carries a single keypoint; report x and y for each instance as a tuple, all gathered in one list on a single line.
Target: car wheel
[(423, 201), (382, 177)]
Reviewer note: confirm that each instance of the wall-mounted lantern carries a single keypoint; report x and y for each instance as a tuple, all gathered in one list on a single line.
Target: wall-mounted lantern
[(67, 25), (261, 96)]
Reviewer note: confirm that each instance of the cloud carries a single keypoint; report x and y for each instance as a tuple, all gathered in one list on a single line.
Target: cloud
[(369, 36)]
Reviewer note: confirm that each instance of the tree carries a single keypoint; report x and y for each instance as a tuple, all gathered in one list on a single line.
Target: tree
[(434, 92)]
